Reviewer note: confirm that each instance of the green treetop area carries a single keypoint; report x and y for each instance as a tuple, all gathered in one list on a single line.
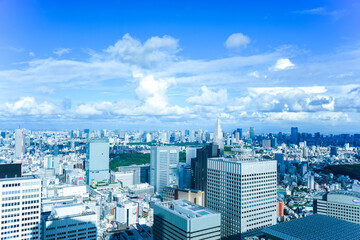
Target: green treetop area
[(127, 159), (351, 170)]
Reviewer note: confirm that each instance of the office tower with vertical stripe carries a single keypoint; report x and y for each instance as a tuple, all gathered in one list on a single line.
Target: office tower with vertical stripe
[(244, 192)]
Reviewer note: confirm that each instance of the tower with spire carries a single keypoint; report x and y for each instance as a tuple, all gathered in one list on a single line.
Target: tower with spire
[(218, 136)]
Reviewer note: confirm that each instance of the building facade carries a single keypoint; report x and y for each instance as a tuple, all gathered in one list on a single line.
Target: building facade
[(164, 167), (71, 222), (199, 166), (244, 192), (343, 205), (191, 195), (19, 143), (181, 220), (97, 161), (20, 208)]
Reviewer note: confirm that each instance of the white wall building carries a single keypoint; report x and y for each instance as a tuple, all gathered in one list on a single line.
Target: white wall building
[(20, 207), (127, 213), (19, 143), (71, 222), (164, 167)]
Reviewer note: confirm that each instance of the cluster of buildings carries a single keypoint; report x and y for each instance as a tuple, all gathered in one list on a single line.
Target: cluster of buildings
[(59, 185)]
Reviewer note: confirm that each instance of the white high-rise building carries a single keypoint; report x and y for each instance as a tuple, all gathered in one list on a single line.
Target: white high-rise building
[(19, 143), (20, 207), (97, 160), (164, 167), (244, 192), (218, 136)]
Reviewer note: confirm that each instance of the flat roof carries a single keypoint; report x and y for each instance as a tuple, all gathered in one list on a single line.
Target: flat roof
[(26, 177), (187, 209), (317, 226), (346, 193)]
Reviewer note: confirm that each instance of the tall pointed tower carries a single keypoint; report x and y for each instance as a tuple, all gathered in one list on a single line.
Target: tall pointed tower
[(218, 136)]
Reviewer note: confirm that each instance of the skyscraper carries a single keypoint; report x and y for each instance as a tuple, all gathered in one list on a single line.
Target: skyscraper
[(294, 135), (199, 166), (239, 130), (20, 208), (244, 192), (218, 136), (164, 167), (252, 133), (97, 160), (19, 143)]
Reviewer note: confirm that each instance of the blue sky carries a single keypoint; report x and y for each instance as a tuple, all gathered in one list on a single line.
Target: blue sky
[(177, 64)]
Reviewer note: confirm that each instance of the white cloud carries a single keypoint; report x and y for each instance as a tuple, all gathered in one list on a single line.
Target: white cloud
[(87, 109), (282, 64), (45, 89), (254, 74), (62, 51), (152, 52), (336, 14), (209, 97), (31, 54), (28, 106), (147, 81), (237, 40)]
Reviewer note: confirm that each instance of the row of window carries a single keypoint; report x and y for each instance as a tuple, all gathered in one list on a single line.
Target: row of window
[(11, 198), (11, 185)]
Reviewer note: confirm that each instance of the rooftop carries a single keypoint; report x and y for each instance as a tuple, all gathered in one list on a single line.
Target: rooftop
[(26, 177), (316, 226), (187, 209), (346, 193)]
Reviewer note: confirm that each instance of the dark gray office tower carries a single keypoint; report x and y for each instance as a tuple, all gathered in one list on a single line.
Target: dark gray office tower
[(199, 166), (239, 130), (333, 151), (294, 135)]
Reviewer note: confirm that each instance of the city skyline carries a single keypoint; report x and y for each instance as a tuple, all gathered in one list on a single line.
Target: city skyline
[(176, 66)]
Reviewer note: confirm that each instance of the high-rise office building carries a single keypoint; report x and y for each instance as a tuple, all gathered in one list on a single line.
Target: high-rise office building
[(20, 207), (244, 192), (19, 143), (183, 220), (199, 166), (333, 151), (164, 167), (252, 133), (239, 130), (97, 161), (219, 136), (266, 143), (294, 135)]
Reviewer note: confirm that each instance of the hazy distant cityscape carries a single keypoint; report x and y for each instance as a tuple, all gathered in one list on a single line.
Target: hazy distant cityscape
[(116, 184)]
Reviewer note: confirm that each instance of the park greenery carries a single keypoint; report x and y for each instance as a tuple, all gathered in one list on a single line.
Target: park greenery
[(127, 159), (351, 170)]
